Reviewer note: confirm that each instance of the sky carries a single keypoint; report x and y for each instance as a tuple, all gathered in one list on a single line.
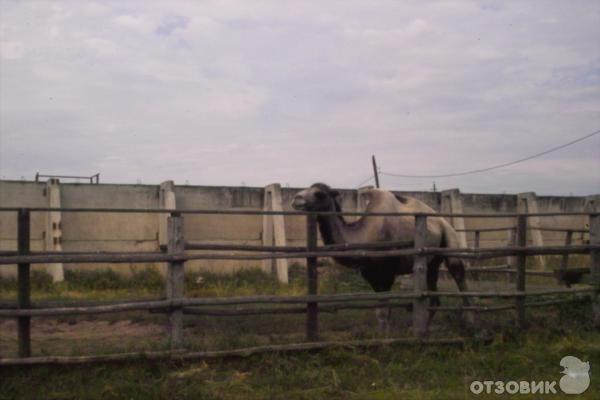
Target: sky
[(255, 92)]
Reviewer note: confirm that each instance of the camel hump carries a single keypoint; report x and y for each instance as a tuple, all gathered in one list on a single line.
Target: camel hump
[(401, 199), (374, 195), (384, 200)]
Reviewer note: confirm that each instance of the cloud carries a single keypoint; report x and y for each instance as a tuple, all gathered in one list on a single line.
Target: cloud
[(225, 92), (417, 27), (171, 23), (11, 50), (135, 23)]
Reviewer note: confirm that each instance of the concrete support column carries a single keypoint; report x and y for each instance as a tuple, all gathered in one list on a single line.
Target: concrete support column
[(53, 231), (527, 203), (592, 203), (452, 203), (274, 231), (166, 201)]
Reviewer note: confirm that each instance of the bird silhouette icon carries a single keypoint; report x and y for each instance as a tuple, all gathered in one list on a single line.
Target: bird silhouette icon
[(576, 379)]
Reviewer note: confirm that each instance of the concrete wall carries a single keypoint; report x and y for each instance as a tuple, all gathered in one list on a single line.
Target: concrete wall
[(225, 229), (21, 194), (474, 203), (140, 232), (109, 231)]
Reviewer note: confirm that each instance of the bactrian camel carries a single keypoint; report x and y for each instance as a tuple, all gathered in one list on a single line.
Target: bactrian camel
[(379, 272)]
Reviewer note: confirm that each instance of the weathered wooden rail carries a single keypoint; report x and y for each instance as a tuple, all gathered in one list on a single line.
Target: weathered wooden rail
[(561, 274), (175, 304)]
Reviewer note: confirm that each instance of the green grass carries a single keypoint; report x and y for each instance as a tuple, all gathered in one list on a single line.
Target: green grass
[(385, 373), (103, 284), (392, 372), (106, 284)]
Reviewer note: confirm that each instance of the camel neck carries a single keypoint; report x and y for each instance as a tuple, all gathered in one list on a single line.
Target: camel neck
[(332, 227)]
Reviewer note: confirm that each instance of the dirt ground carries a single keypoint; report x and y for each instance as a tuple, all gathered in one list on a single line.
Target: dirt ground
[(64, 337), (138, 331)]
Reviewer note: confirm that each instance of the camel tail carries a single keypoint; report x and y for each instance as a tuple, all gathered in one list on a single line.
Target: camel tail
[(449, 236), (450, 241)]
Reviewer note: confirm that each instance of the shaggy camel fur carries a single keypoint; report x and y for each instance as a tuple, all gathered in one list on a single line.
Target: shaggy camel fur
[(380, 273)]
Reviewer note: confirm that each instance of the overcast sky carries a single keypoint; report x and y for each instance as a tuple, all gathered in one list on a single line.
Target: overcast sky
[(255, 92)]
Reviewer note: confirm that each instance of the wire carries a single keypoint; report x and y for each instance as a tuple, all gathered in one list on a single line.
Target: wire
[(365, 181), (476, 171)]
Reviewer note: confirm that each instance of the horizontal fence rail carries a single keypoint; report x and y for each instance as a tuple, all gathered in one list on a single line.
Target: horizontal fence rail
[(532, 228), (506, 228), (178, 251), (181, 354), (297, 213), (507, 270), (265, 299), (488, 252), (291, 249)]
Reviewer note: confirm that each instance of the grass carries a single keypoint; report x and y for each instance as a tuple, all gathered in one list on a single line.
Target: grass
[(384, 373), (407, 372), (91, 285), (106, 284)]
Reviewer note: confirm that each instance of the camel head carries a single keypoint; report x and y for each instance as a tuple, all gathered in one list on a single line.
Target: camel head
[(318, 197)]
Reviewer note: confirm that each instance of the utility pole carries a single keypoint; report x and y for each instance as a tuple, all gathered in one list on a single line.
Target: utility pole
[(375, 173)]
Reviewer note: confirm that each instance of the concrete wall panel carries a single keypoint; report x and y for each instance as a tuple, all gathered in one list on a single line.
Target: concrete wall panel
[(108, 226), (22, 194), (139, 232)]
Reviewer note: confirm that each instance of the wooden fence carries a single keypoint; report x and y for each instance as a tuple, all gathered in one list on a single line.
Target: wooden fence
[(509, 268), (175, 304)]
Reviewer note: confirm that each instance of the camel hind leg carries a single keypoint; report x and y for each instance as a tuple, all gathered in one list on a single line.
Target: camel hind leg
[(433, 269), (456, 268)]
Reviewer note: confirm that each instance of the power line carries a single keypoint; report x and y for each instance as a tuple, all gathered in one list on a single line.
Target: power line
[(475, 171), (365, 181)]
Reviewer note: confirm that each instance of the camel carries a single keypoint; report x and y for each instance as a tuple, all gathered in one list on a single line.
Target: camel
[(381, 273)]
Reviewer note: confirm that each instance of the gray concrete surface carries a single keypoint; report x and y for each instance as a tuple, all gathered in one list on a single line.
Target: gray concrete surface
[(140, 232)]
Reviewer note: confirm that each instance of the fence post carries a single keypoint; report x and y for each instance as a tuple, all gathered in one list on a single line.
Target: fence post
[(511, 261), (521, 259), (24, 295), (312, 321), (477, 243), (595, 267), (420, 308), (564, 264), (477, 239), (175, 279)]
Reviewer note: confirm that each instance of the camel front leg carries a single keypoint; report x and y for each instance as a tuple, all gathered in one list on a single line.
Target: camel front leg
[(381, 278)]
